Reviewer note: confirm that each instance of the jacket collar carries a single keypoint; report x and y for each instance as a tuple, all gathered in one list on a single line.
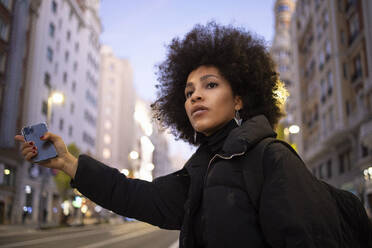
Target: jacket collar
[(252, 131), (239, 140)]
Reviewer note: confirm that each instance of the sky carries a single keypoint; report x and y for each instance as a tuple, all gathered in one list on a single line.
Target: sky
[(139, 31)]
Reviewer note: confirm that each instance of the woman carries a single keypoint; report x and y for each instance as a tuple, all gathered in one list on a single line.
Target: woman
[(218, 91)]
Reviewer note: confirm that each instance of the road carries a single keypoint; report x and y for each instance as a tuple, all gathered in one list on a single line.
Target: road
[(127, 235)]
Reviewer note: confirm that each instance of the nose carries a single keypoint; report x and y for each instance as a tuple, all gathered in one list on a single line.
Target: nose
[(196, 96)]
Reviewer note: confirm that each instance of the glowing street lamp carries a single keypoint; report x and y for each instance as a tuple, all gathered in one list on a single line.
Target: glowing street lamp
[(54, 98)]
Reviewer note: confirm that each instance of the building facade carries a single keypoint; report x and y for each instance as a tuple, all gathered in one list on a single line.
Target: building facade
[(62, 54), (281, 52), (116, 123), (333, 47)]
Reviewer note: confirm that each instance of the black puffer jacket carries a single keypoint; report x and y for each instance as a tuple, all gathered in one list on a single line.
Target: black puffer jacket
[(290, 209)]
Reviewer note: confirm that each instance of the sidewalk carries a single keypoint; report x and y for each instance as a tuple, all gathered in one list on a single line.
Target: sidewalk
[(14, 229)]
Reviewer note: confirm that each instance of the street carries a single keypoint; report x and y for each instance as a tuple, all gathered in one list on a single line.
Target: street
[(133, 234)]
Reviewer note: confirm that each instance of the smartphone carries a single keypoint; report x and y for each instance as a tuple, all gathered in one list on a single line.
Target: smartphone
[(46, 149)]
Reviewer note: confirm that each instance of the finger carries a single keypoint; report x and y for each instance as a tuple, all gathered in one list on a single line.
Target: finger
[(27, 144), (49, 136), (30, 155), (19, 138), (28, 150)]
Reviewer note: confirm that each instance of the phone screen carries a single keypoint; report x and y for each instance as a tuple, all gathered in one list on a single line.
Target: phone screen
[(46, 149)]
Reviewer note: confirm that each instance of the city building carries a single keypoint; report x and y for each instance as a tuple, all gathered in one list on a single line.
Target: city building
[(281, 52), (62, 54), (13, 43), (116, 111), (333, 53)]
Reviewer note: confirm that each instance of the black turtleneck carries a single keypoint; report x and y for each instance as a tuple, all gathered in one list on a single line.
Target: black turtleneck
[(213, 144), (216, 140)]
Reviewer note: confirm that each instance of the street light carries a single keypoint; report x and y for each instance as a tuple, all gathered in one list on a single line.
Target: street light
[(54, 98)]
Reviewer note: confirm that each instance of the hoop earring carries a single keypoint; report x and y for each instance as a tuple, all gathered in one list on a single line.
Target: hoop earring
[(195, 134), (237, 118)]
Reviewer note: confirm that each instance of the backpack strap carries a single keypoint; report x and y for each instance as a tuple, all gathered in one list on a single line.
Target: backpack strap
[(254, 174)]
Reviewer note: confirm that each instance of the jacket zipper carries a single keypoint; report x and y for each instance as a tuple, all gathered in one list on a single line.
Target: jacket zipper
[(220, 156)]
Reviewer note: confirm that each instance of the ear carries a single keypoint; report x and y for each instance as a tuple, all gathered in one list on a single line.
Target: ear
[(238, 103)]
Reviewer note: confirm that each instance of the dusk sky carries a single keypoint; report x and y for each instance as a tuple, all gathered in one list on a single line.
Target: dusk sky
[(139, 30)]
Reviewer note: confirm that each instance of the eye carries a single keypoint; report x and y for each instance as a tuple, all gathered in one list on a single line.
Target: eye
[(188, 94), (211, 85)]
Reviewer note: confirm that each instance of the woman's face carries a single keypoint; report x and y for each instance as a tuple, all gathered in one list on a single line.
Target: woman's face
[(209, 100)]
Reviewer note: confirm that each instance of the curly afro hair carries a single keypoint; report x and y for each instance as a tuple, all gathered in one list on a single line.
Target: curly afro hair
[(241, 58)]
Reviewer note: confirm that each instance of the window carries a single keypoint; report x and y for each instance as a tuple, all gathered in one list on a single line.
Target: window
[(2, 61), (329, 168), (325, 19), (4, 30), (65, 77), (330, 82), (50, 54), (321, 172), (67, 55), (76, 47), (344, 68), (88, 139), (342, 37), (73, 86), (75, 66), (357, 68), (58, 45), (68, 35), (345, 162), (323, 91), (44, 108), (72, 108), (61, 124), (70, 131), (353, 28), (347, 107), (54, 7), (52, 29), (47, 80), (321, 60), (364, 151), (328, 49), (56, 68), (331, 118)]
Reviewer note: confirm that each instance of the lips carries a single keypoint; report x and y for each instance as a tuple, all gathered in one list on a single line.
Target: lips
[(198, 110)]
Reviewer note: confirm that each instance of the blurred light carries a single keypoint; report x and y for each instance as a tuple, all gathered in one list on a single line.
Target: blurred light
[(84, 209), (55, 210), (97, 209), (150, 166), (136, 174), (6, 172), (125, 172), (29, 210), (24, 209), (294, 129), (77, 202), (147, 145), (28, 189), (286, 131), (106, 153), (133, 155), (66, 207), (365, 172), (370, 171), (57, 97)]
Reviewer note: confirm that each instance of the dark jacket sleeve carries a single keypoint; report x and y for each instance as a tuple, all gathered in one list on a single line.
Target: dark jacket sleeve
[(159, 202), (294, 210)]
